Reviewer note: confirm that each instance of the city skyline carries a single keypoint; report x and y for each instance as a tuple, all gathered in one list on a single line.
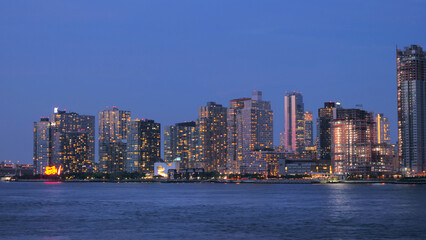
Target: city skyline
[(234, 140), (219, 119), (277, 139), (184, 64)]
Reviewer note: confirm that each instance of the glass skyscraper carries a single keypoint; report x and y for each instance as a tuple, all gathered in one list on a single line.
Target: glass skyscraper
[(353, 137), (65, 140), (308, 127), (143, 146), (250, 128), (213, 136), (181, 141), (411, 94), (324, 121), (42, 145), (113, 139), (294, 133)]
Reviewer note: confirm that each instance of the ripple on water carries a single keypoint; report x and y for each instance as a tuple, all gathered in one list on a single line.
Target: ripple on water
[(210, 211)]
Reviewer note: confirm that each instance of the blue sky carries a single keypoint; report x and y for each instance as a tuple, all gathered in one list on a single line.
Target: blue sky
[(163, 59)]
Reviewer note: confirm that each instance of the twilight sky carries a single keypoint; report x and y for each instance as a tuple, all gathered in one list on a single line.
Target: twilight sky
[(163, 59)]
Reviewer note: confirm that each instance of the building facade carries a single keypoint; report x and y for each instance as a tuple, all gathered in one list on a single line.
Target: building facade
[(308, 128), (383, 131), (182, 141), (71, 142), (42, 145), (212, 128), (162, 169), (250, 128), (294, 133), (169, 143), (326, 115), (297, 165), (411, 94), (264, 162), (382, 158), (353, 137), (143, 146), (234, 153), (113, 139)]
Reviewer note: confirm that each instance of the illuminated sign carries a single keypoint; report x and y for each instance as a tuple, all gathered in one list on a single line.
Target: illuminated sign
[(160, 171), (52, 170)]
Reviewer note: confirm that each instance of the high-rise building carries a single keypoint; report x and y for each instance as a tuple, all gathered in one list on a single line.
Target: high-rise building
[(324, 121), (353, 138), (42, 145), (234, 153), (143, 145), (308, 127), (182, 142), (113, 139), (294, 133), (250, 128), (382, 126), (169, 143), (411, 94), (72, 141), (382, 158), (213, 136)]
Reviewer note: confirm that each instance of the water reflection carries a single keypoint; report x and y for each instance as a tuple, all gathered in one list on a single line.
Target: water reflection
[(210, 211)]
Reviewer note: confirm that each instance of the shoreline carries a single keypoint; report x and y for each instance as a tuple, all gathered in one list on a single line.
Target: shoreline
[(281, 181)]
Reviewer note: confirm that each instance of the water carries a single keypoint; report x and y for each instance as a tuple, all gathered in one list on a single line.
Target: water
[(211, 211)]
